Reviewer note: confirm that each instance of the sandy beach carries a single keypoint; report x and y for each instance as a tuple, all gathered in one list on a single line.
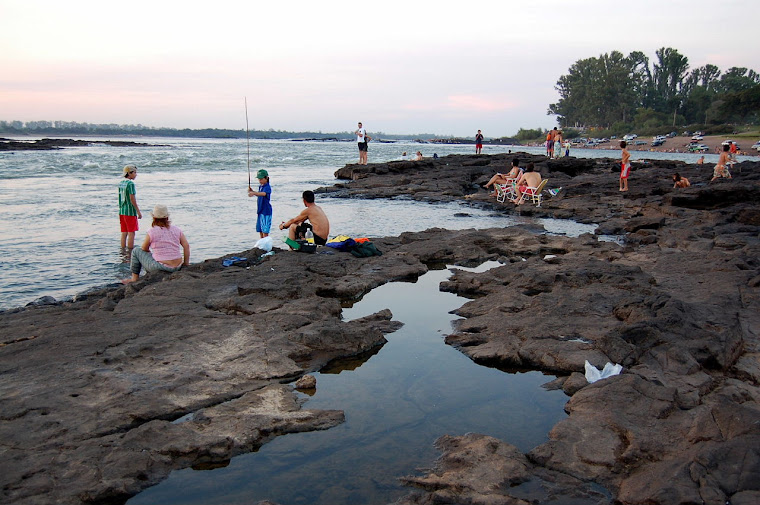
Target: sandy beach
[(680, 144)]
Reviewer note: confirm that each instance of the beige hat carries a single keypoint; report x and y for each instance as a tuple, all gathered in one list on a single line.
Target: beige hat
[(129, 168), (160, 212)]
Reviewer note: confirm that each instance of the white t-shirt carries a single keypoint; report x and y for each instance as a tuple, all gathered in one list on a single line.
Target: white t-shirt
[(361, 134)]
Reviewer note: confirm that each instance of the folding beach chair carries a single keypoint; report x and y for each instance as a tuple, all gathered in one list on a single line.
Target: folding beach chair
[(535, 194)]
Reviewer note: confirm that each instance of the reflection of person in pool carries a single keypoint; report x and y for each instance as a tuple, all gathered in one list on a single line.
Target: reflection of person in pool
[(318, 222)]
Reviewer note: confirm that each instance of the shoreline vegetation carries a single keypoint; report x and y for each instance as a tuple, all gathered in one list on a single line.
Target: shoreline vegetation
[(106, 394)]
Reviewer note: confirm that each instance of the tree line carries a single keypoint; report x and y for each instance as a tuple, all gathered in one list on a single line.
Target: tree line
[(16, 127), (616, 92)]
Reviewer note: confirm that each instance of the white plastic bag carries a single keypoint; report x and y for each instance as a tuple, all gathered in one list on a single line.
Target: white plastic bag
[(593, 375), (265, 244)]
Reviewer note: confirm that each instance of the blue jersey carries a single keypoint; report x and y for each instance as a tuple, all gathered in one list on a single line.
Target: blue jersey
[(263, 205)]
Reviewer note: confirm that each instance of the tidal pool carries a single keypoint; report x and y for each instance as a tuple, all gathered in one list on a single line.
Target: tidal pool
[(398, 400)]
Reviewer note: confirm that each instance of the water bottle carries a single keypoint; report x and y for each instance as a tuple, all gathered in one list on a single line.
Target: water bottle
[(309, 234)]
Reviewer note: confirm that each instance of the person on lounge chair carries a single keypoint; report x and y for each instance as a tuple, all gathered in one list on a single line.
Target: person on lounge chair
[(500, 178), (525, 184)]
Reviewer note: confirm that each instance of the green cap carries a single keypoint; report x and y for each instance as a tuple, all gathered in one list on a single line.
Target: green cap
[(261, 174)]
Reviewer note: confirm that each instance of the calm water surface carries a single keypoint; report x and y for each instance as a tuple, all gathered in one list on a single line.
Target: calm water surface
[(397, 403)]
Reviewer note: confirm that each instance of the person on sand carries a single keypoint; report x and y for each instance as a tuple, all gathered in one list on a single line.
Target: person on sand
[(318, 222), (680, 182), (361, 139), (263, 205), (478, 142), (528, 180), (720, 169), (129, 211), (625, 166), (512, 176), (160, 252)]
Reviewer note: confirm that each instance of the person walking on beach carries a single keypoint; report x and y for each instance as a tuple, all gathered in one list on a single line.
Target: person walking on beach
[(361, 139), (625, 166), (263, 205), (160, 252), (478, 143), (129, 211), (317, 222)]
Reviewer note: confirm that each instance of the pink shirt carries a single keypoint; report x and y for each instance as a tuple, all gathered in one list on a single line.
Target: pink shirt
[(164, 242)]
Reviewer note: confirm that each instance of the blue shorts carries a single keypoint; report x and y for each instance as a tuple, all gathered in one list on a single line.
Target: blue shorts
[(264, 223)]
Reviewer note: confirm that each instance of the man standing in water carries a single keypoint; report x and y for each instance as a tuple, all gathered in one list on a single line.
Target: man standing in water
[(478, 143), (317, 221), (129, 211), (361, 139)]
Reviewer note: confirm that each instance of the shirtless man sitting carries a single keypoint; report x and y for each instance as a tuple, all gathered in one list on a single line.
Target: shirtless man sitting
[(530, 179), (318, 222)]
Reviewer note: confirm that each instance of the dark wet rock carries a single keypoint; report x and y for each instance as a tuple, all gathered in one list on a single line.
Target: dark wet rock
[(48, 144), (104, 395)]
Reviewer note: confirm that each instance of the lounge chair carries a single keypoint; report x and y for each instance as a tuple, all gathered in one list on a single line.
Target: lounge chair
[(535, 194), (505, 191)]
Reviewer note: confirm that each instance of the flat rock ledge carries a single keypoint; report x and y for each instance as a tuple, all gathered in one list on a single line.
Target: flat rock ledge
[(103, 396)]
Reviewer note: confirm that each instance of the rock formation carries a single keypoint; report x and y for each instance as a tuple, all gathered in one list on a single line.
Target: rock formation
[(104, 395)]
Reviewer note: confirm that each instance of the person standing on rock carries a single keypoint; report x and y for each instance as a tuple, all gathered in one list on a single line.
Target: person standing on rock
[(129, 211), (361, 139), (160, 252), (478, 143), (263, 205), (625, 166), (317, 222), (721, 170)]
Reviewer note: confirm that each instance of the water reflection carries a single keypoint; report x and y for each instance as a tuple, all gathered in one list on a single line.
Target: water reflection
[(397, 399)]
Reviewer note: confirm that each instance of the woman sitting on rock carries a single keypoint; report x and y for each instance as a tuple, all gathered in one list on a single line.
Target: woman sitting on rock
[(161, 249)]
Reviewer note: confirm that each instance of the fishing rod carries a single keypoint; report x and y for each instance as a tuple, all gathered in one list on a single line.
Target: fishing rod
[(248, 143)]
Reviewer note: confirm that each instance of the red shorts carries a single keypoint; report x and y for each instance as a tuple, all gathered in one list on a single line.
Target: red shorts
[(528, 191), (479, 146), (625, 170), (128, 223)]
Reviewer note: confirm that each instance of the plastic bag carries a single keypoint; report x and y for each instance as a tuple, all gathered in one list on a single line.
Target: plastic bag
[(265, 244), (593, 375)]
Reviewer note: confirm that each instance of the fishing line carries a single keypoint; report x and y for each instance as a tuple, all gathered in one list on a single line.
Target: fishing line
[(248, 143)]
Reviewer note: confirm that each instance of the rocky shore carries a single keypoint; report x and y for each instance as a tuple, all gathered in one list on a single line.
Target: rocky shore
[(103, 396), (50, 144)]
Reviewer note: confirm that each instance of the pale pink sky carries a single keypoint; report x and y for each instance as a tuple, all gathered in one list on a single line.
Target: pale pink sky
[(400, 67)]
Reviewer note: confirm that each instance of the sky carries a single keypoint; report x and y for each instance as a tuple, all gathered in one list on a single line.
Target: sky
[(399, 67)]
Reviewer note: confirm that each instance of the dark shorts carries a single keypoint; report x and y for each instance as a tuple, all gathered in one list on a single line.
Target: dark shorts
[(301, 230), (128, 223), (549, 145), (362, 146)]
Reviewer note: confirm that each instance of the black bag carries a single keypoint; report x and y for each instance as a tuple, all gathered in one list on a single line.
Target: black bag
[(306, 247)]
